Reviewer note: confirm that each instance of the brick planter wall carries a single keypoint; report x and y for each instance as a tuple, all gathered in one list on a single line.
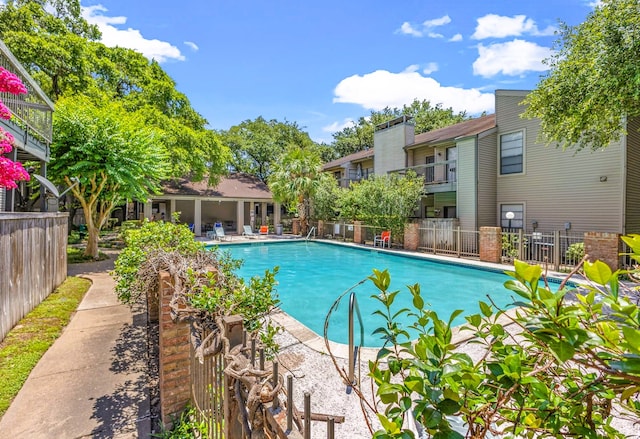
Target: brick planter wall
[(491, 244), (357, 232), (411, 236), (174, 357), (603, 246)]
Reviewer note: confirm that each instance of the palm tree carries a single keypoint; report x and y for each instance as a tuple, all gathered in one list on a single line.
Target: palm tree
[(295, 180)]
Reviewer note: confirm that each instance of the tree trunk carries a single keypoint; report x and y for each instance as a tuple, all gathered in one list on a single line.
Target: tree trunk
[(93, 235)]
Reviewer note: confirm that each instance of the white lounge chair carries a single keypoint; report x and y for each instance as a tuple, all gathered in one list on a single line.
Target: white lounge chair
[(220, 234), (248, 232)]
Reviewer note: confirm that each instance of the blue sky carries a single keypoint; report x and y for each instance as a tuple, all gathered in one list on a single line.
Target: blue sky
[(324, 64)]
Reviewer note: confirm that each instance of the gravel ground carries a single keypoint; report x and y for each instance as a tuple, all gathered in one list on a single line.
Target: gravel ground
[(315, 372)]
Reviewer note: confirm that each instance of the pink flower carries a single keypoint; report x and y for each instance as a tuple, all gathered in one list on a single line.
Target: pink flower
[(10, 172), (6, 142), (4, 112), (11, 83)]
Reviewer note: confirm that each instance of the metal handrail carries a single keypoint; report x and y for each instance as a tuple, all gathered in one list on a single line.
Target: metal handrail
[(353, 350), (313, 230), (334, 307)]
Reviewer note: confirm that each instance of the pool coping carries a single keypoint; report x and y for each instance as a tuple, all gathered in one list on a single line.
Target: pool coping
[(317, 342)]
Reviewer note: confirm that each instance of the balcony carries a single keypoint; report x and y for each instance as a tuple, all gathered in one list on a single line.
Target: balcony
[(438, 177), (354, 176), (32, 119)]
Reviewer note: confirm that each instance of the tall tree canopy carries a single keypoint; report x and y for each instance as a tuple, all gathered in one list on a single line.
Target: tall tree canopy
[(258, 144), (113, 154), (594, 79), (62, 52), (295, 180), (426, 117)]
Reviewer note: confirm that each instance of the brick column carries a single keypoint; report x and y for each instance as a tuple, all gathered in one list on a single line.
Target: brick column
[(603, 246), (491, 244), (174, 357), (295, 224), (357, 232), (320, 229), (411, 236)]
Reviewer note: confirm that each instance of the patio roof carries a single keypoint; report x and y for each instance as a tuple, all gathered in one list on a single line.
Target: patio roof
[(232, 186)]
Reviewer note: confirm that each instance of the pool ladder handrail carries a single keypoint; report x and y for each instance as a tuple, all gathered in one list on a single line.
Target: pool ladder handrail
[(313, 230), (354, 350)]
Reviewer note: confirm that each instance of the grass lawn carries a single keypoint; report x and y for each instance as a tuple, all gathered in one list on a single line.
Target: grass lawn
[(75, 256), (22, 348)]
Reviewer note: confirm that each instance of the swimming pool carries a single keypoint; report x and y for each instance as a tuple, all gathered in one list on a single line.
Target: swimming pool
[(313, 274)]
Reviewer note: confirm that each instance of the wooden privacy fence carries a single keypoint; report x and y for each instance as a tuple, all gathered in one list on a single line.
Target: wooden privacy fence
[(33, 262), (235, 390)]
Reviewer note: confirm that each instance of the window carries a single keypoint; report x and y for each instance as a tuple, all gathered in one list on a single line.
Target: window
[(518, 216), (511, 153)]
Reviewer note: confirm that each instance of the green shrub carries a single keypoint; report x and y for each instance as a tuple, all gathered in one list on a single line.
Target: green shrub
[(574, 365), (139, 244), (185, 427), (74, 237), (575, 252), (207, 278)]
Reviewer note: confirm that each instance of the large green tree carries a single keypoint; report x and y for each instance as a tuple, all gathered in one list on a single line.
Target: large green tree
[(257, 145), (113, 154), (295, 180), (383, 201), (426, 117), (62, 52), (594, 80)]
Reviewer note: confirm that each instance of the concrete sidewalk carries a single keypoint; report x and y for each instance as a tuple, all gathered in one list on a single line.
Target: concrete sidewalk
[(94, 380)]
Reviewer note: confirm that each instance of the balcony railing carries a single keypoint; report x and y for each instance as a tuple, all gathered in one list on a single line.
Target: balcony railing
[(435, 174), (33, 111), (353, 175)]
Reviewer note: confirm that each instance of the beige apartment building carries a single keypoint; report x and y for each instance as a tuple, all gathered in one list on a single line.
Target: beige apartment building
[(482, 171)]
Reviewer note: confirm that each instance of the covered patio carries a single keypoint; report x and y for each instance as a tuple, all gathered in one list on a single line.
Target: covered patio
[(238, 200)]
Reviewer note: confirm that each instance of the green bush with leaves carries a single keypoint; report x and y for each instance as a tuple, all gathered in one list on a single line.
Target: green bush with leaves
[(575, 252), (561, 364), (205, 279), (140, 243), (383, 201)]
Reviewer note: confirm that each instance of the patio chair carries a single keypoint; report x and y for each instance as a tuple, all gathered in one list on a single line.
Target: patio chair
[(248, 232), (264, 230), (220, 234), (384, 237)]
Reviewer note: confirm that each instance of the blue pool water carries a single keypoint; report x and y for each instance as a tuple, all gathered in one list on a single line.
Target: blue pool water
[(312, 275)]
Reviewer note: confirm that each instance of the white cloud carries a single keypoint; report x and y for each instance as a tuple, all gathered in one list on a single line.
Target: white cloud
[(437, 22), (192, 45), (512, 58), (430, 68), (339, 126), (407, 29), (380, 89), (455, 38), (498, 26), (161, 51)]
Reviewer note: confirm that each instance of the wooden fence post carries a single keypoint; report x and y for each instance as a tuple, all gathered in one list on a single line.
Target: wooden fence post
[(233, 329)]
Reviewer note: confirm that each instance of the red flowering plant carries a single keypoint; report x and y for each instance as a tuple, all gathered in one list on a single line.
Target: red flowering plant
[(10, 171)]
